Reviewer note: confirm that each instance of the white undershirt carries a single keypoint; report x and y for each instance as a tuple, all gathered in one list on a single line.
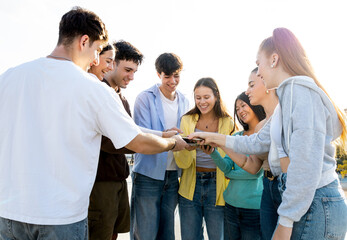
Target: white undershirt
[(170, 115), (276, 131)]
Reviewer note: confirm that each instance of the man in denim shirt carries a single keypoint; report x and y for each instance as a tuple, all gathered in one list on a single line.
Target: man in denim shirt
[(155, 177)]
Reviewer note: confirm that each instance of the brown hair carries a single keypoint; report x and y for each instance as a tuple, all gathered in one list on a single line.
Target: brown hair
[(295, 62), (219, 107), (78, 22)]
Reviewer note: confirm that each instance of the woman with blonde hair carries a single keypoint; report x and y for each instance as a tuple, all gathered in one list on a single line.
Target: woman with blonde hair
[(313, 203)]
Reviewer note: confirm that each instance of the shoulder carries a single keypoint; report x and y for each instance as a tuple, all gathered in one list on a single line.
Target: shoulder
[(228, 121), (186, 118), (260, 125), (148, 93)]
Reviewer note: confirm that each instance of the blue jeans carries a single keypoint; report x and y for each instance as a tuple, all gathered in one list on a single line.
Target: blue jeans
[(270, 201), (153, 204), (241, 223), (13, 230), (202, 206), (327, 216)]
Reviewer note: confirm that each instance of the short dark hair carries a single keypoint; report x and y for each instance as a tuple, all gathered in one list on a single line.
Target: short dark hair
[(79, 22), (258, 109), (168, 63), (126, 51), (219, 108)]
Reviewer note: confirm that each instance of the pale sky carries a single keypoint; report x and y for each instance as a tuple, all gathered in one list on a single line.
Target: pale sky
[(217, 39)]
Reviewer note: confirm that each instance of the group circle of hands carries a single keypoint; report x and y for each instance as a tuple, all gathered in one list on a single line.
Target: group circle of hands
[(202, 140)]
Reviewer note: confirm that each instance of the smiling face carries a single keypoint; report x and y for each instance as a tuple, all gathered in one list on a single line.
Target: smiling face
[(105, 64), (204, 98), (256, 89), (244, 112), (122, 74), (265, 69), (169, 83)]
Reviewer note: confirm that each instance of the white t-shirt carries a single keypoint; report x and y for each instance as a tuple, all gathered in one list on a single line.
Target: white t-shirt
[(170, 115), (53, 115), (276, 130)]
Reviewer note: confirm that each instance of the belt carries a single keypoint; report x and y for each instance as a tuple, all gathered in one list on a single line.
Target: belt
[(202, 169), (268, 175)]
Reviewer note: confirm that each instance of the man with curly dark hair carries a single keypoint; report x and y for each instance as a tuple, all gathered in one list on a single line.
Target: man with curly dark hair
[(109, 211)]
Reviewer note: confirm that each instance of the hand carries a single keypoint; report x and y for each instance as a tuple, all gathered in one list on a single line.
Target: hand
[(191, 147), (174, 129), (213, 139), (207, 149), (180, 143), (169, 133), (282, 233)]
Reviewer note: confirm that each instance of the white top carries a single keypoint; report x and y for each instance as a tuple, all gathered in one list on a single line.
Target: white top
[(276, 131), (53, 115), (170, 112), (202, 159)]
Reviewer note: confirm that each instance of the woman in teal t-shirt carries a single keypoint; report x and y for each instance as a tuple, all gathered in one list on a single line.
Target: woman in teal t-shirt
[(243, 194)]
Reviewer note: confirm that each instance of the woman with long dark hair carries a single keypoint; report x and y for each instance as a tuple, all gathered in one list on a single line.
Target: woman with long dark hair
[(202, 183)]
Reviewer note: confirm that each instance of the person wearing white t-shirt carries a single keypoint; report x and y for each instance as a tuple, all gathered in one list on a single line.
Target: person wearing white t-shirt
[(53, 114), (155, 177)]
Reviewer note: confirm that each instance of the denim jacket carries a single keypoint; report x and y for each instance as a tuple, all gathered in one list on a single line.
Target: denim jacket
[(149, 113)]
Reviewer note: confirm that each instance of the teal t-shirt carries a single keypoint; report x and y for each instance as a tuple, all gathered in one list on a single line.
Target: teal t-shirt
[(244, 189)]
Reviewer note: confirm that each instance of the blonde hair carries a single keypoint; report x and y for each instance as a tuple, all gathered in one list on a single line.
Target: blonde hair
[(295, 62)]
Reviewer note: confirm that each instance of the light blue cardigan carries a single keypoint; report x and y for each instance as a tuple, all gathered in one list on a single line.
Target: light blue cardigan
[(149, 113)]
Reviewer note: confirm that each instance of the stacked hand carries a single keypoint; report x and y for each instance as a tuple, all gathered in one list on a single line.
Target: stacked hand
[(171, 132), (212, 139), (180, 143)]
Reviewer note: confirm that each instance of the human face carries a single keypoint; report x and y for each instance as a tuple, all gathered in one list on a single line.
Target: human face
[(105, 64), (122, 74), (204, 99), (90, 54), (169, 83), (244, 112), (256, 89), (265, 72)]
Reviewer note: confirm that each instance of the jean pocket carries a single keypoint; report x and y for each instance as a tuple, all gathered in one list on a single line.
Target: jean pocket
[(335, 210)]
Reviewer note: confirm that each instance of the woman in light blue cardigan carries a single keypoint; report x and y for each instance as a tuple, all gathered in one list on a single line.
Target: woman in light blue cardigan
[(244, 191)]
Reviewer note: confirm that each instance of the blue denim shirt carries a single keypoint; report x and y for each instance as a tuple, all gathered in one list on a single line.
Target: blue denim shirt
[(149, 113)]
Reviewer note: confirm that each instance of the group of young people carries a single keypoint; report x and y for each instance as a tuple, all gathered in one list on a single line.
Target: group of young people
[(274, 179)]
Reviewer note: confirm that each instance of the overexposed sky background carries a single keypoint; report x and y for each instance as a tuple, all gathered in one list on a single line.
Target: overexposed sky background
[(217, 39)]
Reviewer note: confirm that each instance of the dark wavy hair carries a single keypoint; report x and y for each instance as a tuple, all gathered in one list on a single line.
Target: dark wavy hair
[(219, 107), (79, 22), (126, 51), (168, 63), (258, 110)]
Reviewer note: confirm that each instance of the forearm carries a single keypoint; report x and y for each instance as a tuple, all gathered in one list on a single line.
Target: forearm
[(224, 164), (147, 143), (250, 164), (155, 132), (241, 174), (256, 143)]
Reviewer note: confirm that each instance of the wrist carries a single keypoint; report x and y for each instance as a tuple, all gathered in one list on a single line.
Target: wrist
[(174, 145)]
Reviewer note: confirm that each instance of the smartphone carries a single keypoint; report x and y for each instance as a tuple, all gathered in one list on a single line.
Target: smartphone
[(192, 142)]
